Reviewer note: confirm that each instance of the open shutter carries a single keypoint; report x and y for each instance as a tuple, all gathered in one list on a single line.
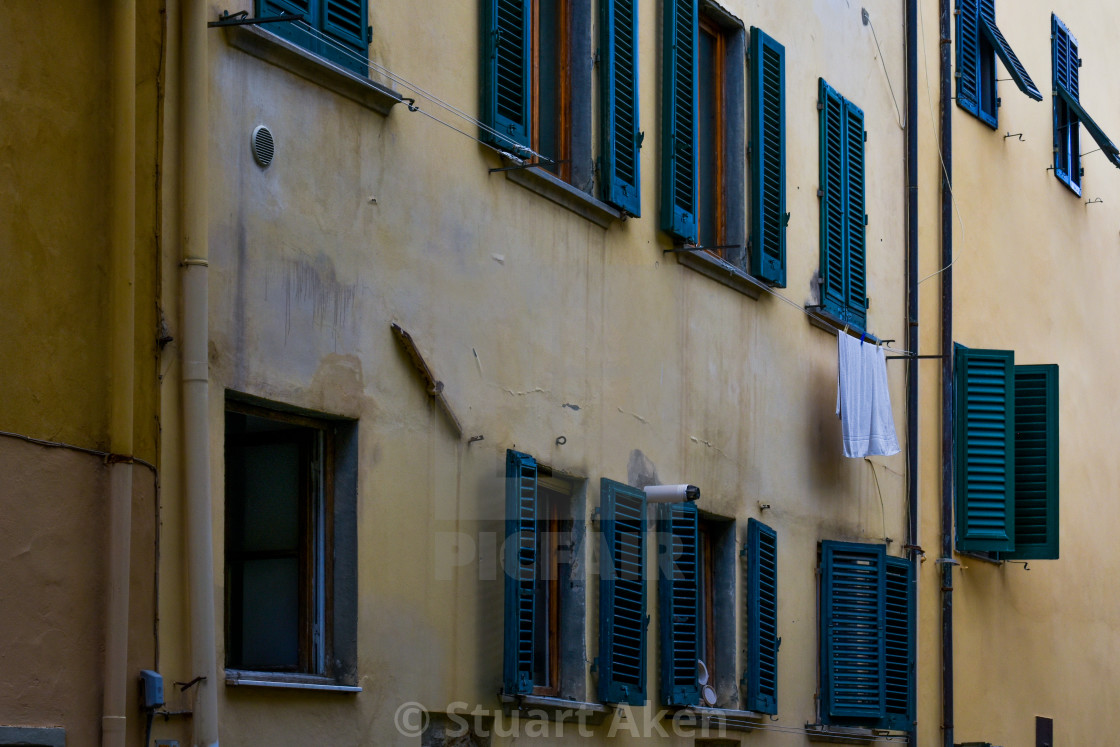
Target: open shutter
[(678, 120), (1010, 60), (762, 618), (856, 244), (678, 594), (1036, 463), (345, 25), (1110, 150), (520, 571), (834, 198), (900, 651), (968, 56), (768, 159), (985, 449), (622, 595), (507, 93), (296, 32), (853, 655), (621, 139)]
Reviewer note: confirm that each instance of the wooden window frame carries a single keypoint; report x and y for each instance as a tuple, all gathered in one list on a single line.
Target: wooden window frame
[(554, 497), (564, 92), (316, 571), (707, 571), (708, 25)]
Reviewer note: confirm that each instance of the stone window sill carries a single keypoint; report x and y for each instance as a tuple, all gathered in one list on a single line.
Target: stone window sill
[(724, 718), (555, 708), (295, 59), (289, 681), (852, 735), (536, 179), (722, 271)]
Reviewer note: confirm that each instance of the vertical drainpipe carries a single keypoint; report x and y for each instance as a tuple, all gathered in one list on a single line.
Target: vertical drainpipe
[(946, 378), (913, 540), (122, 237), (194, 111)]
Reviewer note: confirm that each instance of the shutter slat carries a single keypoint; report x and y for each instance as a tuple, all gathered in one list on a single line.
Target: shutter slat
[(678, 593), (768, 159), (520, 572), (622, 600)]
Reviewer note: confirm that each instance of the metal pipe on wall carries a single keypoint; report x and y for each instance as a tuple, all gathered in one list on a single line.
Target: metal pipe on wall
[(913, 539), (946, 560), (122, 279), (194, 111)]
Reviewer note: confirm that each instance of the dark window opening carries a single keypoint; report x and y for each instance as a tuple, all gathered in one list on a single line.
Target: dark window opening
[(710, 125), (551, 88), (554, 537)]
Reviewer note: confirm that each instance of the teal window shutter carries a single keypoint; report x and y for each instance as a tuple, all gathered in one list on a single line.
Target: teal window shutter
[(678, 120), (1079, 115), (1009, 59), (297, 32), (761, 677), (678, 594), (899, 709), (1068, 112), (985, 449), (345, 28), (768, 159), (968, 56), (1036, 463), (520, 572), (622, 595), (507, 80), (619, 121), (856, 244), (853, 652)]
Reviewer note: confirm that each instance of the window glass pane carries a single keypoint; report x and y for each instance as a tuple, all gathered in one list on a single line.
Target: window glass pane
[(271, 498), (550, 44), (987, 78), (270, 612), (707, 98)]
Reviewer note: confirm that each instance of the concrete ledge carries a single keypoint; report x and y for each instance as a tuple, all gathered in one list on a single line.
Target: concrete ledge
[(725, 719), (555, 708), (722, 271), (295, 59), (559, 191), (853, 735), (287, 681), (33, 736)]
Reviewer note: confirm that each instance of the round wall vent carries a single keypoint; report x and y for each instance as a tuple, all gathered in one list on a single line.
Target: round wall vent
[(264, 147)]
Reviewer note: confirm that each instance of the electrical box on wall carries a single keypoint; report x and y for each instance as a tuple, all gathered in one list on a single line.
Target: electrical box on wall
[(151, 689)]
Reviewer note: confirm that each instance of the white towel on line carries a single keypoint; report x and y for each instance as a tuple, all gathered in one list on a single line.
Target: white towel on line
[(863, 401)]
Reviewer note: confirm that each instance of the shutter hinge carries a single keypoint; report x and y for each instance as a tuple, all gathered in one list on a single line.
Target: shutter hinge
[(999, 102), (785, 223), (866, 220), (595, 59), (866, 303), (369, 34), (820, 192), (1079, 62), (639, 138), (820, 106), (595, 665), (865, 136)]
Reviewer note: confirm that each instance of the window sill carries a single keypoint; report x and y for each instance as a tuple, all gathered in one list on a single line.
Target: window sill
[(724, 718), (722, 271), (243, 678), (295, 59), (536, 179), (852, 735), (555, 708), (33, 736)]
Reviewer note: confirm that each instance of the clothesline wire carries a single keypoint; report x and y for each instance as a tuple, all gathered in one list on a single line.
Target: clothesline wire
[(403, 83)]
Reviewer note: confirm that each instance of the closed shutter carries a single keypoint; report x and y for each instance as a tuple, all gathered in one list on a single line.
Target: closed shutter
[(1036, 463), (762, 618), (296, 32), (853, 655), (899, 635), (834, 198), (768, 159), (678, 120), (622, 595), (520, 571), (507, 93), (678, 594), (968, 56), (345, 25), (856, 244), (621, 139), (985, 449)]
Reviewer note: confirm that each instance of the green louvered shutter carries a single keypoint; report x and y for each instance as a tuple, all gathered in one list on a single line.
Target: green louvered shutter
[(679, 595), (296, 32), (900, 650), (678, 120), (345, 25), (762, 618), (968, 56), (768, 159), (621, 139), (985, 449), (622, 595), (507, 89), (853, 654), (834, 199), (1036, 463), (1008, 57), (856, 244), (520, 571)]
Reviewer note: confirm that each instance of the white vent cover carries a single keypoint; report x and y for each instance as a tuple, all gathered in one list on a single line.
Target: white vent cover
[(264, 147)]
